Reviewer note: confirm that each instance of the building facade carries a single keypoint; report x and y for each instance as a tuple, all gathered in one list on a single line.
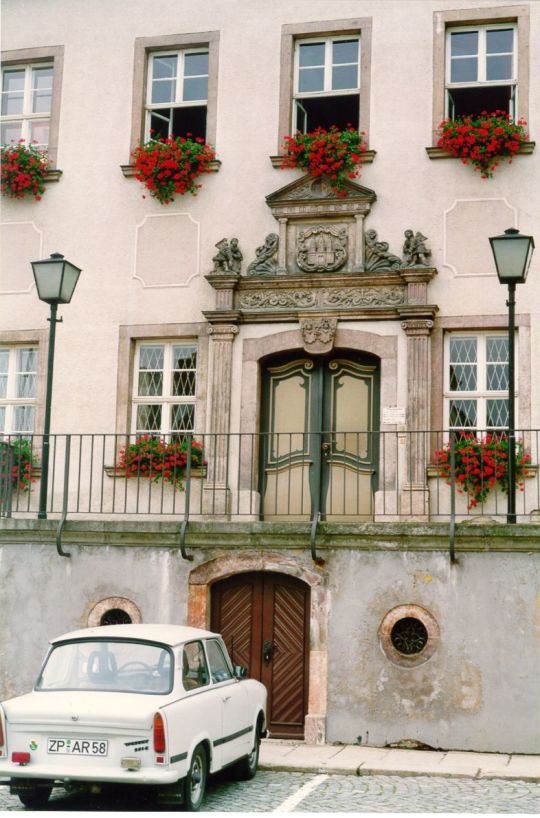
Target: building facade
[(310, 353)]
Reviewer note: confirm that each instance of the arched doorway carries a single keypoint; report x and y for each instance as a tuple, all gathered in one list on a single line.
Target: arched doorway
[(264, 620), (319, 441)]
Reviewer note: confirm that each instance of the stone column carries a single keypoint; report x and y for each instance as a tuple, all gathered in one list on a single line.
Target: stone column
[(414, 496), (216, 489)]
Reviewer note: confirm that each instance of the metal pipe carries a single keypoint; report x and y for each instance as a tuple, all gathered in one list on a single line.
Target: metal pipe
[(43, 488), (511, 303)]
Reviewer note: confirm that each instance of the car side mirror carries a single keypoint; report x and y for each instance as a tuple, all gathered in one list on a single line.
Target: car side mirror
[(240, 672)]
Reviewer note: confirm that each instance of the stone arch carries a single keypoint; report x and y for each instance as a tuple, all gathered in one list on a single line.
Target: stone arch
[(203, 576), (385, 347), (113, 603)]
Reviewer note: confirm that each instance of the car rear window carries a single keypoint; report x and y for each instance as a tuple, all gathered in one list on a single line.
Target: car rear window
[(113, 665)]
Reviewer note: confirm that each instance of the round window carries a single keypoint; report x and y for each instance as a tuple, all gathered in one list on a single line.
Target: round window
[(115, 616), (409, 635)]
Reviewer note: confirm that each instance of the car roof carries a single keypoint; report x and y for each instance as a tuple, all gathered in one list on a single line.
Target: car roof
[(168, 634)]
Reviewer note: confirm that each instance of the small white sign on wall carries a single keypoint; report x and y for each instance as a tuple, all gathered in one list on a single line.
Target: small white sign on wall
[(393, 415)]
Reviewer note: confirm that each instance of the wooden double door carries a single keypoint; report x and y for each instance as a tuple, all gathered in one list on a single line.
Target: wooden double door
[(319, 440), (264, 620)]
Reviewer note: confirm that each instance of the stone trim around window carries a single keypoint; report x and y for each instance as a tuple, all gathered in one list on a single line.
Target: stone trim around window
[(443, 20), (39, 338), (431, 628), (483, 324), (54, 54), (128, 338), (111, 603), (146, 45), (324, 28)]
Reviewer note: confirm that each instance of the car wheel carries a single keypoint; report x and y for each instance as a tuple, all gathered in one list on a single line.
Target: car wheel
[(247, 767), (35, 797), (195, 780)]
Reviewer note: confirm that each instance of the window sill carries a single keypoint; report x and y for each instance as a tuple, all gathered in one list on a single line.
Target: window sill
[(438, 153), (112, 471), (365, 159), (53, 175), (129, 170)]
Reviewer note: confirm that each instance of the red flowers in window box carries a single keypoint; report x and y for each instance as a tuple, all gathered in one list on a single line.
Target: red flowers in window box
[(334, 153), (167, 167), (22, 461), (24, 168), (483, 140), (480, 462), (160, 459)]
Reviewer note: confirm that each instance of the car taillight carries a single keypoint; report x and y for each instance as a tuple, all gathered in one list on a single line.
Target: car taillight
[(159, 734), (1, 735)]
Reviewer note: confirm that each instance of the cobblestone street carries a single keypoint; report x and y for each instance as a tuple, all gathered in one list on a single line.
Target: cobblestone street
[(315, 793)]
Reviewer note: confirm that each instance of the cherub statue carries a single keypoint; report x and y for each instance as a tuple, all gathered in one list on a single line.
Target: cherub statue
[(415, 252), (229, 257), (265, 261)]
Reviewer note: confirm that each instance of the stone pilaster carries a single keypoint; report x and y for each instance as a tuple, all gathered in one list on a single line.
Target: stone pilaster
[(414, 499), (221, 340)]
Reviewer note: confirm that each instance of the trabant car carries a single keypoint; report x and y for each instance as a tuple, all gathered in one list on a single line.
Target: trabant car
[(158, 706)]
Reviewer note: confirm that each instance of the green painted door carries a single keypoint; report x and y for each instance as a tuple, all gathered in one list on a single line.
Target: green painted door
[(319, 441)]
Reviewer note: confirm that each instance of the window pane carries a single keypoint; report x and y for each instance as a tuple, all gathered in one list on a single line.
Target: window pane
[(219, 667), (195, 64), (183, 383), (39, 132), (26, 386), (41, 90), (463, 350), (311, 54), (195, 88), (499, 68), (184, 357), (10, 132), (311, 79), (497, 414), (2, 418), (464, 70), (463, 43), (3, 386), (344, 76), (462, 378), (27, 359), (150, 384), (23, 419), (345, 51), (163, 91), (4, 360), (182, 417), (149, 418), (500, 41), (463, 413), (151, 357), (12, 92), (164, 67)]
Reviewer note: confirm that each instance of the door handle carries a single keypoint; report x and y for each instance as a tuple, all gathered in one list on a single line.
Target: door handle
[(268, 651), (225, 698), (325, 446)]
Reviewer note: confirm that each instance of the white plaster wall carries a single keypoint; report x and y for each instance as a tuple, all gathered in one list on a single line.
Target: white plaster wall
[(92, 214)]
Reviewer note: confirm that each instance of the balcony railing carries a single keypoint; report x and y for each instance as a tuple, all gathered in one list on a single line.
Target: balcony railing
[(334, 476)]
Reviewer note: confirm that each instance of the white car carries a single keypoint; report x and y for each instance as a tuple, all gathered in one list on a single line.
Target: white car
[(154, 705)]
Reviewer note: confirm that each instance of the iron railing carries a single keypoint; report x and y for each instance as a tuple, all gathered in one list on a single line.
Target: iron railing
[(334, 476)]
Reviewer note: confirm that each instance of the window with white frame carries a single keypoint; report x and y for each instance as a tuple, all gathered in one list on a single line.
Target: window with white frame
[(327, 83), (481, 69), (18, 380), (177, 93), (165, 386), (476, 381), (27, 94)]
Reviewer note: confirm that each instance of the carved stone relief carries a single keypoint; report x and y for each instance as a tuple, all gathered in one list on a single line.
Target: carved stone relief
[(329, 298), (377, 256), (265, 257), (318, 333), (322, 249)]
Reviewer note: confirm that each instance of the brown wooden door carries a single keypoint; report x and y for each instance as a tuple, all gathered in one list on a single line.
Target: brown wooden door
[(264, 620)]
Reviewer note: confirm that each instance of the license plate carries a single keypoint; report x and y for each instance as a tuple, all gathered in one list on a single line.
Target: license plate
[(78, 746)]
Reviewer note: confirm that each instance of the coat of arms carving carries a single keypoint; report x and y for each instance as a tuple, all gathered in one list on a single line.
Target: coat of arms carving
[(322, 249)]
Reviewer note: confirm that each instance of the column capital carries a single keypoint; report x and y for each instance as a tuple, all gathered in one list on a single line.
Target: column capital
[(223, 332), (417, 326)]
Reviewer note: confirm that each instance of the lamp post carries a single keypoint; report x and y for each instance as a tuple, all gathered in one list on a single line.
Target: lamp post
[(56, 280), (512, 253)]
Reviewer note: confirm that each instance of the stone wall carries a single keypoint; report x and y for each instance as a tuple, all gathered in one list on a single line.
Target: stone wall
[(476, 691)]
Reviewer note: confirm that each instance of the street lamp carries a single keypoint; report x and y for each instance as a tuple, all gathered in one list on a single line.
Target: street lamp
[(512, 253), (56, 280)]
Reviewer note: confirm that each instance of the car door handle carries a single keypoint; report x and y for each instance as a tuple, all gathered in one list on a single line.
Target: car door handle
[(226, 698)]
